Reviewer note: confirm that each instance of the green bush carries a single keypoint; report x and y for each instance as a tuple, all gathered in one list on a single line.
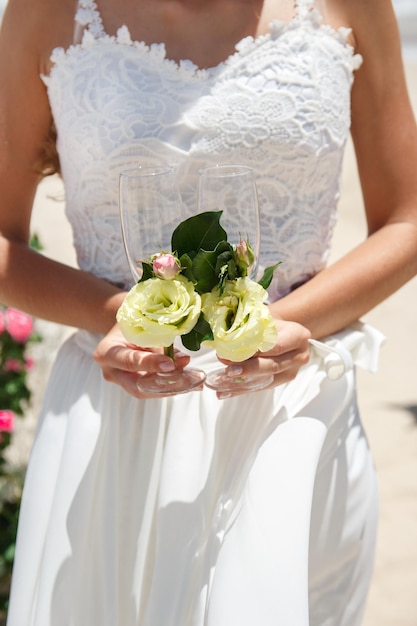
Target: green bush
[(16, 333)]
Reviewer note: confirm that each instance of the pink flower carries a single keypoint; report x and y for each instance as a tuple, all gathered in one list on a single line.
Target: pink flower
[(245, 256), (13, 365), (245, 252), (19, 325), (29, 363), (166, 266), (6, 421)]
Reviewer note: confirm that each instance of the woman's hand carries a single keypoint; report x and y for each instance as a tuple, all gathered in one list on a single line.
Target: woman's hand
[(123, 364), (284, 360)]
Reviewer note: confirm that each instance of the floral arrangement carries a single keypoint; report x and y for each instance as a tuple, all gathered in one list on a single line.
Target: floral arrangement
[(16, 331), (201, 292)]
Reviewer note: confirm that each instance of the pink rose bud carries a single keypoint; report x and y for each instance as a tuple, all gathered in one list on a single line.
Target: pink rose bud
[(245, 256), (6, 421), (19, 325), (166, 266)]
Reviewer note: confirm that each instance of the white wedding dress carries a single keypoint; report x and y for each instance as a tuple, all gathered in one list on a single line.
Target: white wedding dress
[(190, 511)]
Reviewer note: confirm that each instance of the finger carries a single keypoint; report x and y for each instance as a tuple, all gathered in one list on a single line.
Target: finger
[(281, 378), (291, 338), (133, 359), (128, 381), (279, 370), (134, 384), (261, 365)]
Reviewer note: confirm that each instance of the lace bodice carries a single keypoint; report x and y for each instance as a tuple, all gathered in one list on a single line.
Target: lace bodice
[(281, 103)]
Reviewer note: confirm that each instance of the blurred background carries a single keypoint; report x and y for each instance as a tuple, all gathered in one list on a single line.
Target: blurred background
[(388, 400), (406, 11)]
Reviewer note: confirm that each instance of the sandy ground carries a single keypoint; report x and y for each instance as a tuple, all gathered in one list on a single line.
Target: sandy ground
[(388, 400)]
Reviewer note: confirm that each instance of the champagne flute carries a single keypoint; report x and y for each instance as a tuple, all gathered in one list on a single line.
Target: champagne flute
[(150, 209), (231, 188)]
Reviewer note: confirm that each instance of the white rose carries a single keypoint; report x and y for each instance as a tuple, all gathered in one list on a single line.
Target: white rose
[(241, 322), (156, 311)]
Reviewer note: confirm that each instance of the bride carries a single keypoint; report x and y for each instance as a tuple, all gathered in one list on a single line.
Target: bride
[(199, 509)]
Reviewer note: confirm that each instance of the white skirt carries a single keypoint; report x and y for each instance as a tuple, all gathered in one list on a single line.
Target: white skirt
[(190, 511)]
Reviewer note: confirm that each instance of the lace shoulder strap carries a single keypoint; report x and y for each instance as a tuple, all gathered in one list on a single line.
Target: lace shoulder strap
[(88, 18), (303, 6)]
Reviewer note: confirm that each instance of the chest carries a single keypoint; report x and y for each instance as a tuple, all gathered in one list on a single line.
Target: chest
[(288, 88), (205, 31)]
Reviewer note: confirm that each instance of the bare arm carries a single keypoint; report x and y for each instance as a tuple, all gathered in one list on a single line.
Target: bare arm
[(385, 138), (28, 280)]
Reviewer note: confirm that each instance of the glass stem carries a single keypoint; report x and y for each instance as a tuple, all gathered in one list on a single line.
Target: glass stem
[(169, 351)]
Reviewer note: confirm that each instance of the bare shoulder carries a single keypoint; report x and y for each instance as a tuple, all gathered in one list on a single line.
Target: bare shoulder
[(33, 29), (29, 32), (376, 37), (373, 23), (383, 127)]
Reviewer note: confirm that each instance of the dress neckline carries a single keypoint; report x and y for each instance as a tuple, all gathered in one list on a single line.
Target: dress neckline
[(88, 18), (92, 33), (88, 14)]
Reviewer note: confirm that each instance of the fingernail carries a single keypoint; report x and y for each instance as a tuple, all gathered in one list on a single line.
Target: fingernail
[(234, 370), (223, 395), (166, 366)]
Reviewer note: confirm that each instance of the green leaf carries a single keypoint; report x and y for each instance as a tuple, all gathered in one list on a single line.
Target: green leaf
[(204, 270), (224, 259), (9, 553), (206, 266), (201, 231), (187, 267), (147, 272), (35, 242), (268, 275), (201, 332), (232, 272), (35, 338)]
